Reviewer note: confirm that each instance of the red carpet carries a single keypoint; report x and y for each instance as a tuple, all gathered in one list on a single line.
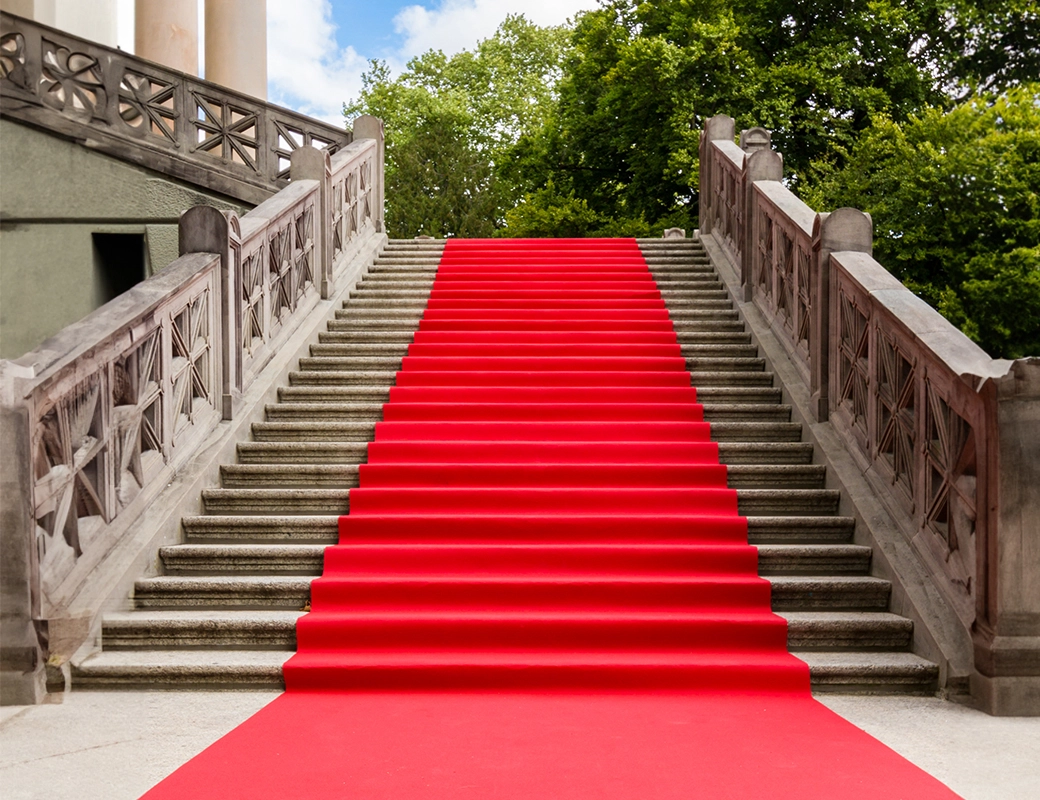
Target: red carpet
[(543, 589)]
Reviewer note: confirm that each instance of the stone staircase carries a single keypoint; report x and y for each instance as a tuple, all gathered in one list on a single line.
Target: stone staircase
[(223, 613)]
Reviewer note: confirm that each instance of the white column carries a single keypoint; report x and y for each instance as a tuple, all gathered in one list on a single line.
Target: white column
[(236, 45), (167, 32)]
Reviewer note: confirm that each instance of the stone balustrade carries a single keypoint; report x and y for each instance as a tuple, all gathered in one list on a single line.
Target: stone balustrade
[(98, 420), (948, 437), (157, 117)]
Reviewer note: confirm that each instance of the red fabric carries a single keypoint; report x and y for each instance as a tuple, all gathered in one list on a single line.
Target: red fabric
[(543, 588)]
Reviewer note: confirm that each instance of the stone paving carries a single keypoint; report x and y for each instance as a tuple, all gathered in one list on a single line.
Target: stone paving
[(116, 745)]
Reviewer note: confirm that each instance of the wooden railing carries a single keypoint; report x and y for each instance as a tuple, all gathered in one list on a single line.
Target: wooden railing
[(157, 117), (948, 436), (96, 420)]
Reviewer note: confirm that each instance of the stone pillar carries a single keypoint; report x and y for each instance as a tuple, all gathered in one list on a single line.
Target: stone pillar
[(167, 32), (762, 164), (718, 127), (1006, 631), (309, 163), (22, 653), (369, 127), (236, 45), (841, 230)]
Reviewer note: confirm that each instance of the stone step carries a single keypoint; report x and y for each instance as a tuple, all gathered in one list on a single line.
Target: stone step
[(334, 394), (317, 528), (750, 502), (328, 432), (256, 629), (181, 669), (739, 394), (770, 502), (214, 528), (880, 672), (844, 630), (367, 349), (260, 629), (276, 412), (684, 327), (756, 431), (360, 324), (303, 452), (789, 593), (330, 475), (341, 378), (402, 336), (307, 559), (384, 311), (276, 501), (813, 559), (750, 412), (871, 673), (356, 452), (800, 530)]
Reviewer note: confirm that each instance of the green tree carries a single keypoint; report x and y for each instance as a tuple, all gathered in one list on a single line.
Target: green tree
[(453, 125), (955, 198)]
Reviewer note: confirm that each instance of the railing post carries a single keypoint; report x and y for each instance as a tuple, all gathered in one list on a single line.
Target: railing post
[(309, 163), (369, 127), (846, 229), (762, 164), (204, 229), (1006, 631), (718, 127), (22, 653)]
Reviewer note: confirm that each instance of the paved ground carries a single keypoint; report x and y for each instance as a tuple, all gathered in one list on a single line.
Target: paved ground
[(115, 745)]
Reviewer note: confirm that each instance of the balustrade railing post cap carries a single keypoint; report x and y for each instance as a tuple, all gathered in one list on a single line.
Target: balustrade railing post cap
[(754, 139), (844, 229), (763, 165), (674, 233), (368, 127), (309, 163), (720, 126)]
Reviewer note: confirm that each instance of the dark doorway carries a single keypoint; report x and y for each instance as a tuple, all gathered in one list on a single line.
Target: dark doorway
[(118, 263)]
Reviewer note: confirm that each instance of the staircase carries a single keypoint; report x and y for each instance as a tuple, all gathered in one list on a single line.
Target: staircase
[(223, 614)]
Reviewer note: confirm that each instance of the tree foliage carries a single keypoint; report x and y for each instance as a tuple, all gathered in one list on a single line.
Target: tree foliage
[(955, 198)]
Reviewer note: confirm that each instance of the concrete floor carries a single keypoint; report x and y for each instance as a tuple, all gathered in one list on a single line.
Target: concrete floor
[(116, 745)]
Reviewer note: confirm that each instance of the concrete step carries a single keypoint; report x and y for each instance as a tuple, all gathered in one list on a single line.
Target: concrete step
[(181, 669), (789, 593), (739, 394), (213, 529), (684, 327), (871, 673), (382, 311), (788, 476), (358, 323), (842, 630), (713, 337), (276, 501)]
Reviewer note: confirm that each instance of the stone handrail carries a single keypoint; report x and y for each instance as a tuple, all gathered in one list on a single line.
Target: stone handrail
[(157, 117), (97, 420), (948, 436)]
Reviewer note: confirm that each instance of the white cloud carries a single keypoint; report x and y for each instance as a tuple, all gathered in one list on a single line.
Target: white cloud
[(456, 25), (306, 69)]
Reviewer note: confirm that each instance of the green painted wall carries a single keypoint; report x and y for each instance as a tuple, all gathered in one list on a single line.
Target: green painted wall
[(54, 195)]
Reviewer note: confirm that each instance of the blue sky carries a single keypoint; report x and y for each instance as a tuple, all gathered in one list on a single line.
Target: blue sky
[(317, 49)]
